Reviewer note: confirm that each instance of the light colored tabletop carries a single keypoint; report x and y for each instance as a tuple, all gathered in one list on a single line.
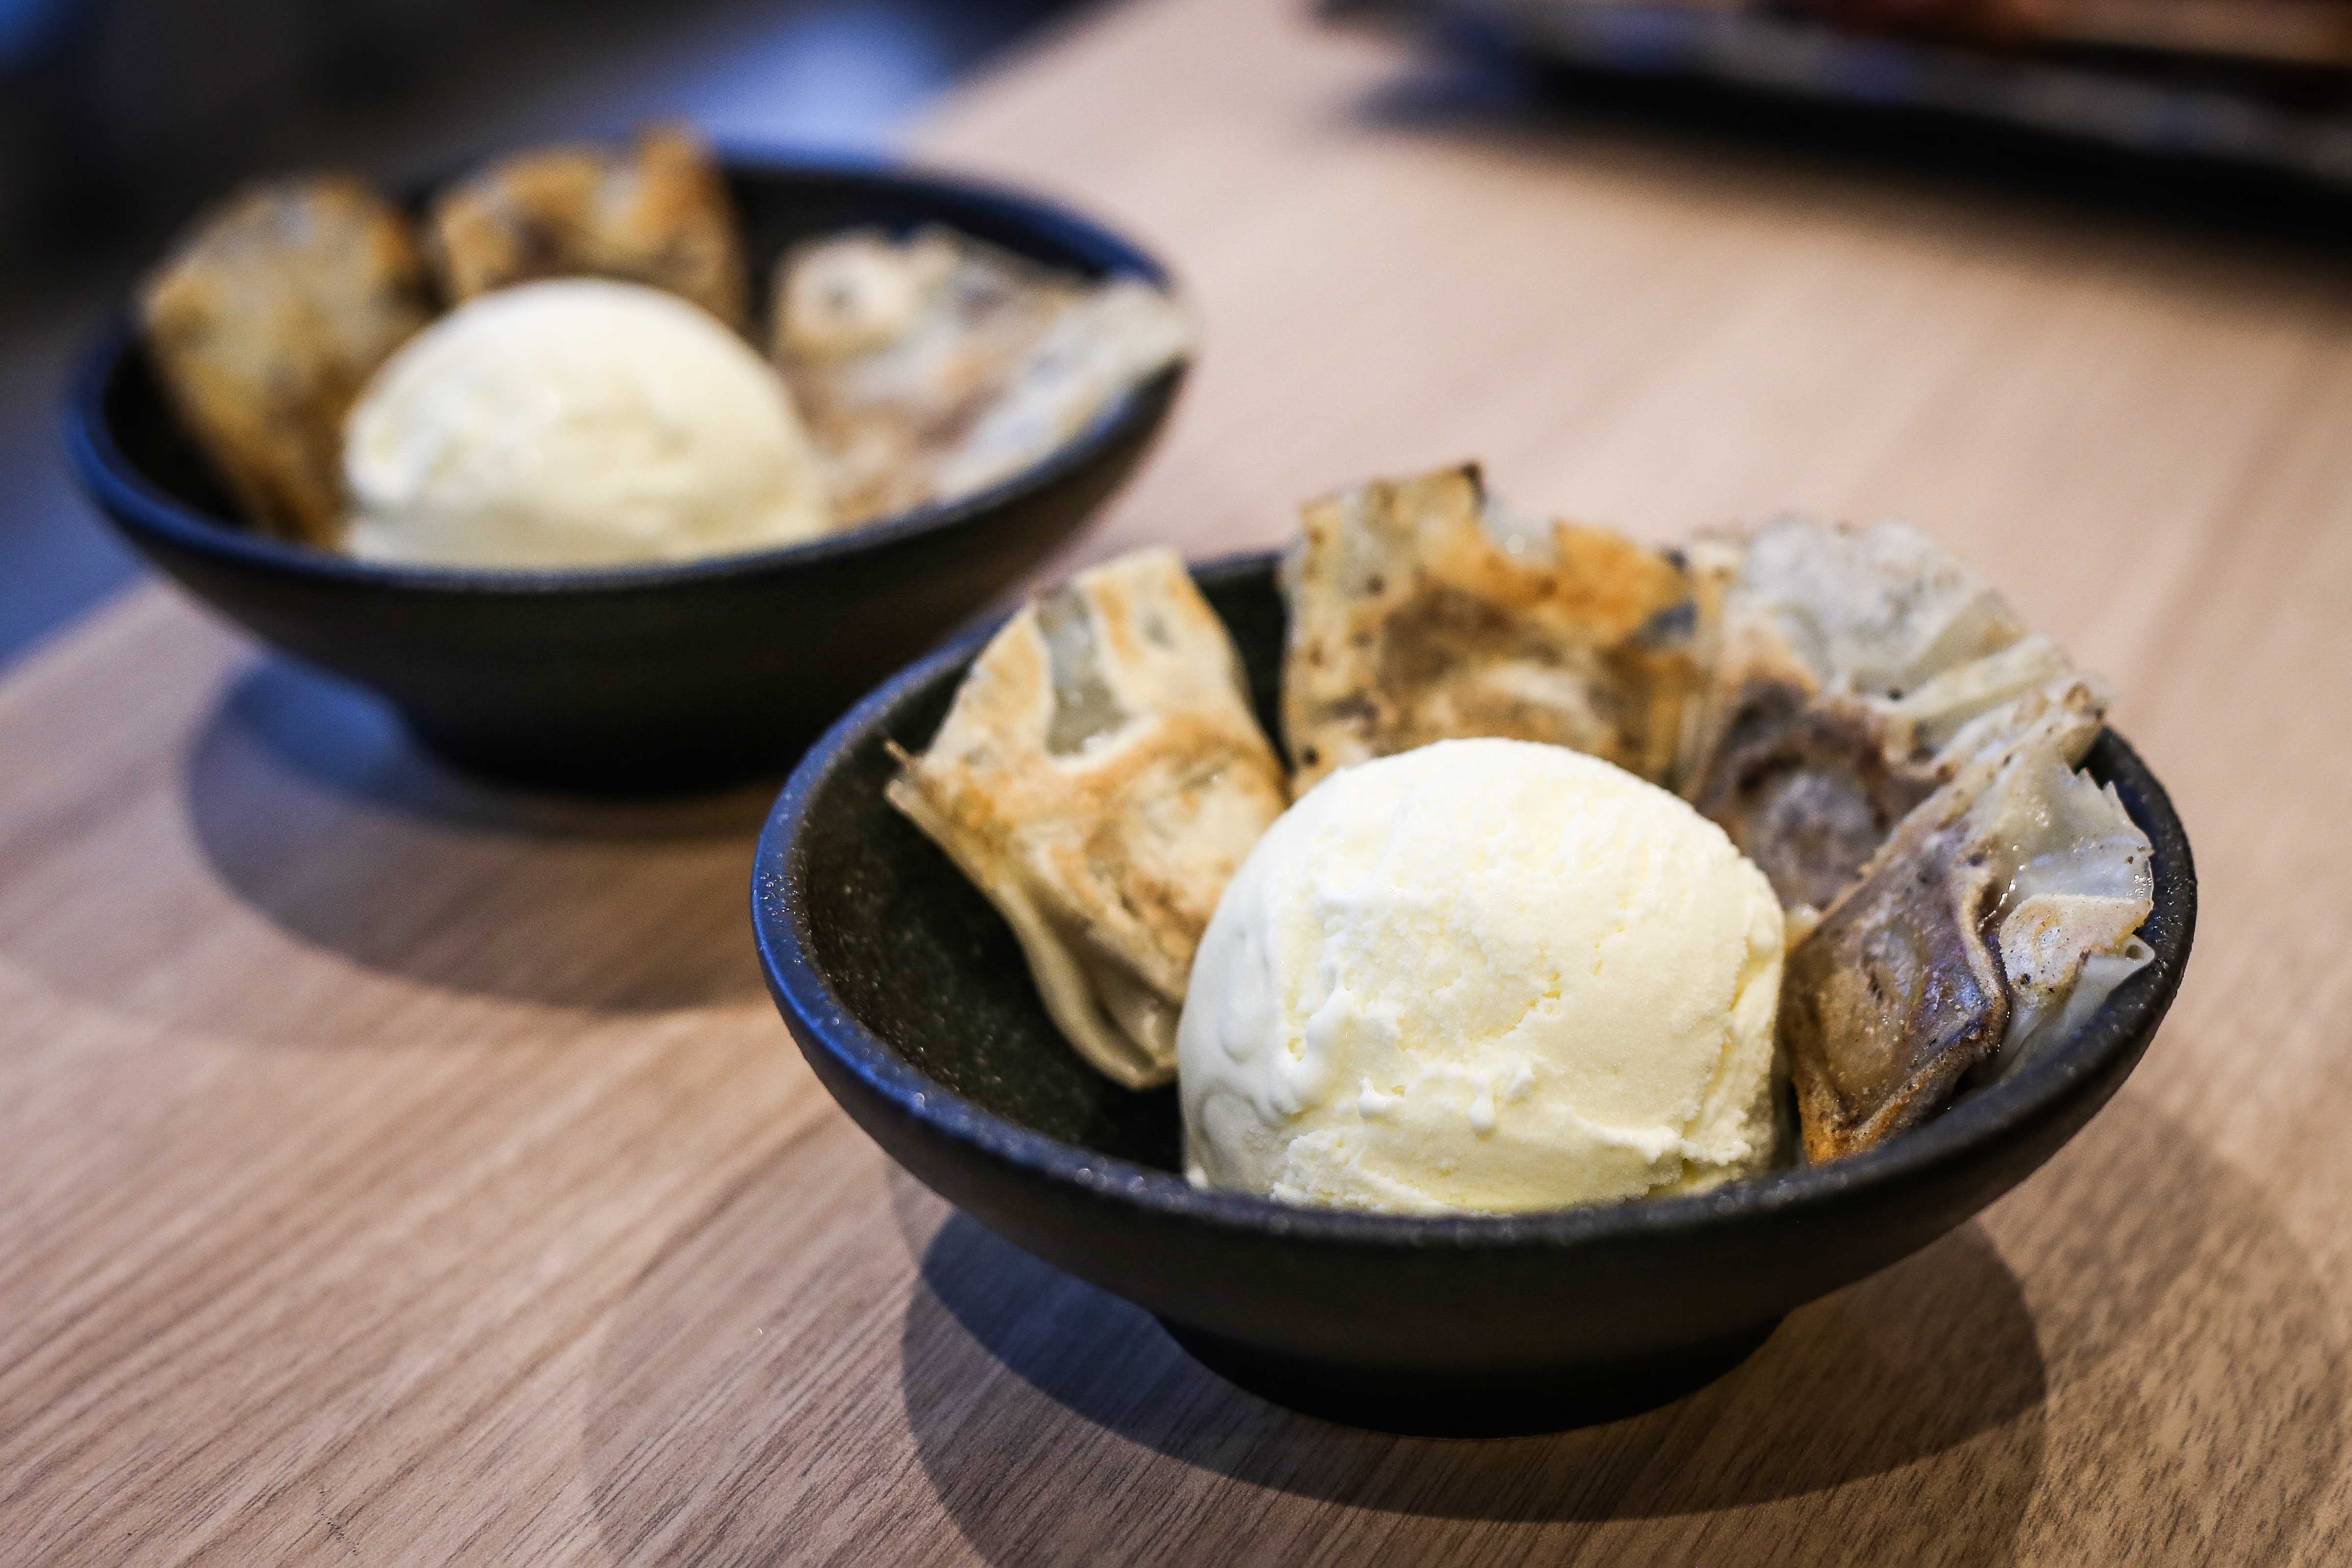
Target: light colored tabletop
[(393, 1171)]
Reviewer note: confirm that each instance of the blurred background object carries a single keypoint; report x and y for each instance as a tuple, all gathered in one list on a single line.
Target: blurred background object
[(120, 118), (2256, 90)]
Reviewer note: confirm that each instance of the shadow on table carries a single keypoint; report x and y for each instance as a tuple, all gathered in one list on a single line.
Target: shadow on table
[(1926, 1389), (310, 801), (2116, 1398), (1909, 1364)]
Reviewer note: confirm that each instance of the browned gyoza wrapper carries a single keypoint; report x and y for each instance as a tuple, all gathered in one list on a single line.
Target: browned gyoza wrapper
[(2000, 909), (656, 213), (930, 328), (930, 365), (1413, 619), (1852, 705), (263, 327), (1851, 669), (1100, 778)]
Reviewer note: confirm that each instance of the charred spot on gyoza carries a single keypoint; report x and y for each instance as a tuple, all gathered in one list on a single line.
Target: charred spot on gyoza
[(1805, 789), (1853, 671), (1892, 998), (2000, 913)]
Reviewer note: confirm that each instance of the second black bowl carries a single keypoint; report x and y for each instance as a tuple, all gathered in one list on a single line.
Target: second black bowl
[(652, 676), (909, 997)]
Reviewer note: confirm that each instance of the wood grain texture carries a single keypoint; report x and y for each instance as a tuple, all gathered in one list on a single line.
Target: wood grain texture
[(392, 1171)]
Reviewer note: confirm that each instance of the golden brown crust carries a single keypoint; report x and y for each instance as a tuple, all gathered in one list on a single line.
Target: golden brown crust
[(1100, 777), (1409, 623), (655, 212), (263, 327)]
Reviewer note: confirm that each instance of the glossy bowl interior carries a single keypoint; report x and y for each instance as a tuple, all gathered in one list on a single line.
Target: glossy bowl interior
[(909, 995), (651, 676)]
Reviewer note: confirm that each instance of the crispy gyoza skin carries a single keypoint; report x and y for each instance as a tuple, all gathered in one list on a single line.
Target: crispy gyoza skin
[(657, 214), (1853, 668), (931, 365), (1118, 335), (2016, 886), (264, 324), (894, 347), (1803, 784), (1100, 778), (1893, 997), (1411, 621)]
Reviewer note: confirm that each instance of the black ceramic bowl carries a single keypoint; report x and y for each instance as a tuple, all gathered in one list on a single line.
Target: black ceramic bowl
[(635, 676), (910, 999)]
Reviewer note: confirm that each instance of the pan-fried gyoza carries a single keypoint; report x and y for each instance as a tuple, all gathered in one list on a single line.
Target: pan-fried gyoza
[(1420, 611), (1853, 668), (921, 368), (2001, 911), (656, 213), (1867, 719), (265, 324), (1100, 777), (934, 365)]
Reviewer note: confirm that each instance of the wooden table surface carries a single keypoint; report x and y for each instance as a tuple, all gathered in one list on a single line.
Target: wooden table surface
[(394, 1171)]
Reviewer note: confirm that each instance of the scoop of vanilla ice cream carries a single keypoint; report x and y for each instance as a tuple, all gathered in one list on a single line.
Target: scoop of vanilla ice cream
[(576, 421), (1485, 974)]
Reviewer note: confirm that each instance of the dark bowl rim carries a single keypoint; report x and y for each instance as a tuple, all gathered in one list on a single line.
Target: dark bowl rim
[(2036, 1091), (125, 493)]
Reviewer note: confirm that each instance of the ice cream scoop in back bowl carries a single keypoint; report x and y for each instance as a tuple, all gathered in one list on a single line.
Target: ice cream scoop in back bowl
[(655, 672), (908, 995)]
